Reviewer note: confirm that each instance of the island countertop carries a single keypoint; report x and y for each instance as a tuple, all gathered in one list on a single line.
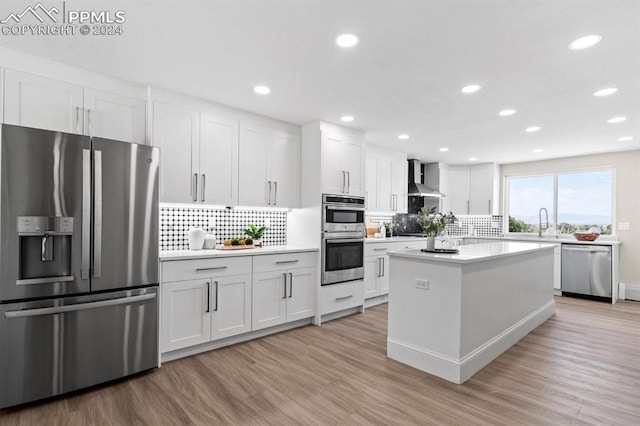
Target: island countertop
[(476, 252)]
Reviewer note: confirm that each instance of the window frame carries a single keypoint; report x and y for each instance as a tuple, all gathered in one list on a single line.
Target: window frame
[(554, 218)]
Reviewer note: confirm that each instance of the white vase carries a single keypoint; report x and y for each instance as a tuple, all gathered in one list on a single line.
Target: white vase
[(431, 243), (196, 238)]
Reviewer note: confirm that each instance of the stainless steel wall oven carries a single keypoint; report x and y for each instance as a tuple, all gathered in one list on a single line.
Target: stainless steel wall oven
[(342, 238)]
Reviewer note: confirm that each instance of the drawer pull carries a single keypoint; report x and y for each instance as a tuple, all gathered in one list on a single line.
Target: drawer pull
[(281, 262), (344, 298), (214, 268), (380, 249)]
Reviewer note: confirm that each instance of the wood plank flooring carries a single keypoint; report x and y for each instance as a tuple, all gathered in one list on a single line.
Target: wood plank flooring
[(582, 366)]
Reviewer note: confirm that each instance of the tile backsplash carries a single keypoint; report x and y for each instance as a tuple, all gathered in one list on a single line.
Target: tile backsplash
[(480, 225), (175, 223)]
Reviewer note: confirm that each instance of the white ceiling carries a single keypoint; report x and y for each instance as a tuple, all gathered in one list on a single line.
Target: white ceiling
[(405, 74)]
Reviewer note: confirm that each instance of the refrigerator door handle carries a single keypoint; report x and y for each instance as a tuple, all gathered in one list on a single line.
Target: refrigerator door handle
[(86, 214), (97, 215), (78, 306)]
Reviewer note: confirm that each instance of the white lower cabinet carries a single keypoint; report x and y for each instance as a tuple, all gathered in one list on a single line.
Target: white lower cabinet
[(186, 314), (282, 296), (231, 306), (376, 269), (199, 311), (204, 300)]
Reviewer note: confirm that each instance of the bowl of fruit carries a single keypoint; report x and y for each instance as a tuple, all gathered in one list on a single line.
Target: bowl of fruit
[(236, 244)]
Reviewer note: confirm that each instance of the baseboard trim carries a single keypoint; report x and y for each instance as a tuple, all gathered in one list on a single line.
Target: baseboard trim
[(205, 347), (340, 314), (460, 370), (629, 291), (374, 301)]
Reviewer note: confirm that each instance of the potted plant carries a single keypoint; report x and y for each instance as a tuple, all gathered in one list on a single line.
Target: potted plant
[(255, 233), (433, 223)]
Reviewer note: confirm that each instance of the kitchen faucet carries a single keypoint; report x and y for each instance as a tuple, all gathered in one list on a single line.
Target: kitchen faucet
[(546, 213)]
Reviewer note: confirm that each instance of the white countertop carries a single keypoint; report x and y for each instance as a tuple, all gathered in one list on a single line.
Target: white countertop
[(392, 239), (562, 240), (203, 254), (476, 252)]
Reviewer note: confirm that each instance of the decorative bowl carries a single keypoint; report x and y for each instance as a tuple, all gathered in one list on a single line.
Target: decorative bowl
[(585, 236)]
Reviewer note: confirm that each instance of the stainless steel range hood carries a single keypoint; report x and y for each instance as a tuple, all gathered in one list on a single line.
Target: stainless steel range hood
[(416, 187)]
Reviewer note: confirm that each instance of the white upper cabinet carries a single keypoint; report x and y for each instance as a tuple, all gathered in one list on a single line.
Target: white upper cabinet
[(284, 167), (458, 191), (218, 160), (343, 165), (474, 189), (256, 189), (269, 172), (34, 101), (386, 180), (42, 103), (176, 131), (112, 116), (484, 189)]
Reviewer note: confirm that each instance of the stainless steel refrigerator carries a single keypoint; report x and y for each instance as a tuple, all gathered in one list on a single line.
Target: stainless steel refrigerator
[(78, 262)]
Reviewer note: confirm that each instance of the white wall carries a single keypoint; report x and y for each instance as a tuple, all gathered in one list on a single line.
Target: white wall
[(627, 197)]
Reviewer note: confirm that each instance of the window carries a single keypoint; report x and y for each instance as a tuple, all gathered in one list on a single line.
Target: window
[(575, 202)]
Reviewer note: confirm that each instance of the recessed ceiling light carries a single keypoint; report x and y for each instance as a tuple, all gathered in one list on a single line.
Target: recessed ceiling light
[(403, 137), (538, 150), (616, 120), (347, 40), (444, 149), (473, 159), (346, 118), (471, 88), (585, 42), (262, 90), (532, 129), (625, 138), (507, 112), (606, 92)]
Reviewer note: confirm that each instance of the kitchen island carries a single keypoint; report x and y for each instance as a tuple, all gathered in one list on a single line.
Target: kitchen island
[(452, 314)]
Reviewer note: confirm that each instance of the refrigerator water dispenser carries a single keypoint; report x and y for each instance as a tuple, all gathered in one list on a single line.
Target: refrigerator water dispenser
[(45, 249)]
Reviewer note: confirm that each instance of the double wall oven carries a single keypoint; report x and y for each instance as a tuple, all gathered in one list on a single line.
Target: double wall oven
[(343, 235)]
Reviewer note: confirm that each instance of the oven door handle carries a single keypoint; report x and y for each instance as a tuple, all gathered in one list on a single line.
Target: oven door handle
[(344, 240), (357, 208)]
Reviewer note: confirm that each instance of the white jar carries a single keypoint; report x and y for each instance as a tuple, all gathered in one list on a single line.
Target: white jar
[(209, 242), (196, 238)]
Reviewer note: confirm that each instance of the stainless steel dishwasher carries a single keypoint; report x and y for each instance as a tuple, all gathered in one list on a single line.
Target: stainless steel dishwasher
[(586, 271)]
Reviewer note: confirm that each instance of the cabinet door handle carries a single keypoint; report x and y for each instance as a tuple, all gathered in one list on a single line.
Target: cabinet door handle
[(208, 297), (284, 277), (344, 182), (77, 119), (489, 206), (203, 182), (282, 262), (216, 305), (290, 285), (269, 193), (382, 259), (395, 207), (90, 126), (275, 193), (344, 297), (210, 269), (348, 182), (379, 268), (467, 206), (366, 200), (194, 187)]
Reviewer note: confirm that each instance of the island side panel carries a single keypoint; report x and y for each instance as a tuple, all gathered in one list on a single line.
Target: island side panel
[(502, 301), (424, 324)]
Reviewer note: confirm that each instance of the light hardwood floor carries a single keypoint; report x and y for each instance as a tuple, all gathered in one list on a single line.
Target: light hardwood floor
[(582, 366)]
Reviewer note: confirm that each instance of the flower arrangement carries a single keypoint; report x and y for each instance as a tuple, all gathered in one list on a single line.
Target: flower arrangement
[(433, 223)]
